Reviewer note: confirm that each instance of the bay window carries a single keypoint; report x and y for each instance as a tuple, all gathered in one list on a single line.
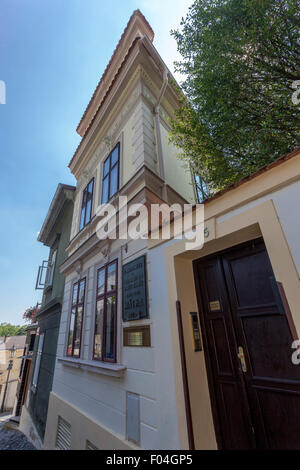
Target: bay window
[(87, 203), (75, 327), (110, 180), (106, 313)]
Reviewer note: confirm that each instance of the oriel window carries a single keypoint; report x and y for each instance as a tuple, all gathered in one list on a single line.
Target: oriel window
[(110, 181), (87, 203), (106, 313), (77, 310)]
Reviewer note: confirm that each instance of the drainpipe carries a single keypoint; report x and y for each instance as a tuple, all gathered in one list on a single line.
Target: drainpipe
[(158, 133)]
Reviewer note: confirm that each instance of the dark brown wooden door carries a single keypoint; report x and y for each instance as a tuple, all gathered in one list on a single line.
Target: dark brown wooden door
[(254, 386)]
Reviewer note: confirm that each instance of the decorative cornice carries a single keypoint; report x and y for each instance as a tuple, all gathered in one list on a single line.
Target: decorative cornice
[(144, 187), (139, 51), (113, 124), (137, 26)]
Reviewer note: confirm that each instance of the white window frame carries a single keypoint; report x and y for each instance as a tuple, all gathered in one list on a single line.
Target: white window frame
[(50, 270), (38, 361)]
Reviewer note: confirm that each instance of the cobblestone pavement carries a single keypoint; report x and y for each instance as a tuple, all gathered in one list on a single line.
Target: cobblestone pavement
[(13, 440)]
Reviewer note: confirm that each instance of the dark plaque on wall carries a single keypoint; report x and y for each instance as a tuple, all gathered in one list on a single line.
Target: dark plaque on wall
[(134, 290)]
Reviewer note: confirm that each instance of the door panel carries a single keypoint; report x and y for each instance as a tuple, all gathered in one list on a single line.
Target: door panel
[(280, 412), (265, 397), (231, 400)]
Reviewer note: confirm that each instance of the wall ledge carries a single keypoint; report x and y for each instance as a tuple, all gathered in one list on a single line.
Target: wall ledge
[(105, 368)]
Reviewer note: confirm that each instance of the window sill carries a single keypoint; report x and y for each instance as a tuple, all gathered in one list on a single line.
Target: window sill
[(105, 368)]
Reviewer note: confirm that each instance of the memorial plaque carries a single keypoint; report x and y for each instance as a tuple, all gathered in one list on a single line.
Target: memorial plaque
[(137, 336), (134, 290)]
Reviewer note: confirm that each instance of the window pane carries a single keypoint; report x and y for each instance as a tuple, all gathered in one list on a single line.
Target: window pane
[(78, 332), (82, 215), (111, 277), (115, 156), (71, 332), (86, 208), (38, 360), (50, 270), (41, 342), (114, 181), (90, 188), (81, 292), (98, 329), (88, 211), (101, 280), (105, 190), (75, 291), (106, 166), (110, 327)]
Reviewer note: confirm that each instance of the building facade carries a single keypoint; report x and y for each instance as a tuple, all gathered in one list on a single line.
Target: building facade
[(11, 352), (162, 346), (110, 368), (232, 309), (55, 234), (25, 370)]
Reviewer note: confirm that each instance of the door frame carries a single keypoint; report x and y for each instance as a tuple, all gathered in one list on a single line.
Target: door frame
[(208, 362), (249, 222)]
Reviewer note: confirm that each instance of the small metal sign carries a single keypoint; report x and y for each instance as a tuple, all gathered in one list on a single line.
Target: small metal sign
[(134, 290), (138, 336), (215, 306), (196, 331)]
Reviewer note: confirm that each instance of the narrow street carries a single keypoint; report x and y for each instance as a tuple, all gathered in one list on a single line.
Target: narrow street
[(11, 439)]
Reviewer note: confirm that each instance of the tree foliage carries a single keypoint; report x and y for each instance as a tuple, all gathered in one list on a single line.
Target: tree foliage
[(6, 329), (240, 59)]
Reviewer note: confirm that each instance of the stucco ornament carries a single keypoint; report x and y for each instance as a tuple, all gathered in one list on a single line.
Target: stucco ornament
[(105, 251), (78, 266), (108, 141)]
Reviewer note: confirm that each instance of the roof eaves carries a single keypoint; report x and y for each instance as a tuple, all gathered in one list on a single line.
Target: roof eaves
[(60, 188), (137, 39), (135, 14), (261, 170)]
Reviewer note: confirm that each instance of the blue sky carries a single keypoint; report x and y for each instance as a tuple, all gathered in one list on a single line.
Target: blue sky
[(52, 54)]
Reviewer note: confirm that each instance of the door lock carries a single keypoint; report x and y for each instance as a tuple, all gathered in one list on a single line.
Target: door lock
[(241, 357)]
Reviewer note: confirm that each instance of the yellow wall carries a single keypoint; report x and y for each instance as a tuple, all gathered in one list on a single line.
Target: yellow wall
[(15, 371), (13, 376), (178, 175), (257, 208)]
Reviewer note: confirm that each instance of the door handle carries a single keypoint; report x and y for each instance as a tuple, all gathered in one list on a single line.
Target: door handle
[(241, 357)]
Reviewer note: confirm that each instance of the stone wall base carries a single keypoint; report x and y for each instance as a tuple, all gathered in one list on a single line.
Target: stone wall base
[(29, 429)]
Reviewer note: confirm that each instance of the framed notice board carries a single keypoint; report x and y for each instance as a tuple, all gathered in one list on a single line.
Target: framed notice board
[(134, 290)]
